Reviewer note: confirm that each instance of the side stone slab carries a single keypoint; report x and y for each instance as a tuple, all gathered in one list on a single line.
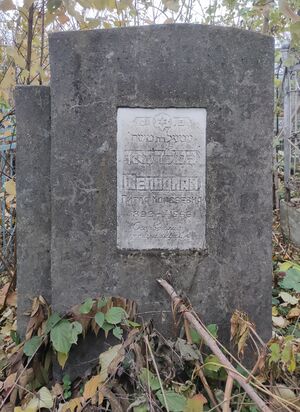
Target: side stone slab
[(33, 197)]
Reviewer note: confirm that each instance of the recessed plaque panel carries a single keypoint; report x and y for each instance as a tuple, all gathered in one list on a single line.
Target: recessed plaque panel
[(161, 178)]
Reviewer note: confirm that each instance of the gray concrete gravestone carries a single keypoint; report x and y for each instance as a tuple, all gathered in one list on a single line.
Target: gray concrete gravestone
[(160, 163)]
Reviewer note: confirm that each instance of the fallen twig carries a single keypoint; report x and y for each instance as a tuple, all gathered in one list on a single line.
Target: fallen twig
[(227, 393), (210, 342), (157, 372)]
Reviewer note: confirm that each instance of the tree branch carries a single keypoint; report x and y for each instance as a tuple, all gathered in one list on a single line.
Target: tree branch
[(211, 343)]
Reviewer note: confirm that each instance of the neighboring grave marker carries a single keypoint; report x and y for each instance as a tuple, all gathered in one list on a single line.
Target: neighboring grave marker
[(161, 178)]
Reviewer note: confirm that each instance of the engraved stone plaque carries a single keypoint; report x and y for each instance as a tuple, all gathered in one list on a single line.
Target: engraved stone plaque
[(161, 178)]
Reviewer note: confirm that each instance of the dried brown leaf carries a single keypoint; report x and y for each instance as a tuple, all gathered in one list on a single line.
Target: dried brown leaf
[(113, 400), (83, 319), (9, 381), (4, 293), (57, 390), (91, 387), (26, 377), (293, 313), (38, 315), (11, 299), (73, 405)]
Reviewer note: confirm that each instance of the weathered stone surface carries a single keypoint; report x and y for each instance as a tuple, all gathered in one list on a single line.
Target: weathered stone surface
[(33, 197), (93, 74), (161, 178), (290, 221)]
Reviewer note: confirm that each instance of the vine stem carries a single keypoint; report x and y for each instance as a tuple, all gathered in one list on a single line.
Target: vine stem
[(200, 372), (21, 374), (29, 40), (211, 343), (157, 372)]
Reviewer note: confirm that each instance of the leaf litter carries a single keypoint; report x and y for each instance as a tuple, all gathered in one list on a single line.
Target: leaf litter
[(182, 375)]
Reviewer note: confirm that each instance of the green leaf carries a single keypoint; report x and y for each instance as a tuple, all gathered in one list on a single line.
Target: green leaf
[(149, 379), (212, 363), (63, 335), (32, 345), (286, 353), (288, 356), (66, 381), (102, 302), (291, 280), (275, 353), (67, 386), (283, 267), (115, 315), (86, 306), (67, 394), (277, 82), (295, 332), (118, 332), (99, 319), (186, 350), (62, 359), (76, 330), (107, 327), (213, 329), (242, 371), (195, 404), (175, 401), (52, 321), (15, 337), (133, 324), (196, 338)]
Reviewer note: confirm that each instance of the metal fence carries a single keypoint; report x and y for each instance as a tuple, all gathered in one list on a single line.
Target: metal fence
[(291, 132), (7, 193)]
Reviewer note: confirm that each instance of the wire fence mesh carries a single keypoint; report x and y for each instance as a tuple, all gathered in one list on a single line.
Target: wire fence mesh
[(8, 191)]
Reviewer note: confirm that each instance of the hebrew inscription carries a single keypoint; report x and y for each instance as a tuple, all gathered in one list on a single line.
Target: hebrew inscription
[(161, 178)]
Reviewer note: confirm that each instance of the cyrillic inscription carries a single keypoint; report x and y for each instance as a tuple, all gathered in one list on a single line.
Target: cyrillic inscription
[(161, 178)]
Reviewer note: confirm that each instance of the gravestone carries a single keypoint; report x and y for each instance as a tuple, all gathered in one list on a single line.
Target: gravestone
[(161, 164)]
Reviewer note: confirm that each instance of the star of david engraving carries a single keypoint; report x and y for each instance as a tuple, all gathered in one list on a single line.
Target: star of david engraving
[(162, 121)]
